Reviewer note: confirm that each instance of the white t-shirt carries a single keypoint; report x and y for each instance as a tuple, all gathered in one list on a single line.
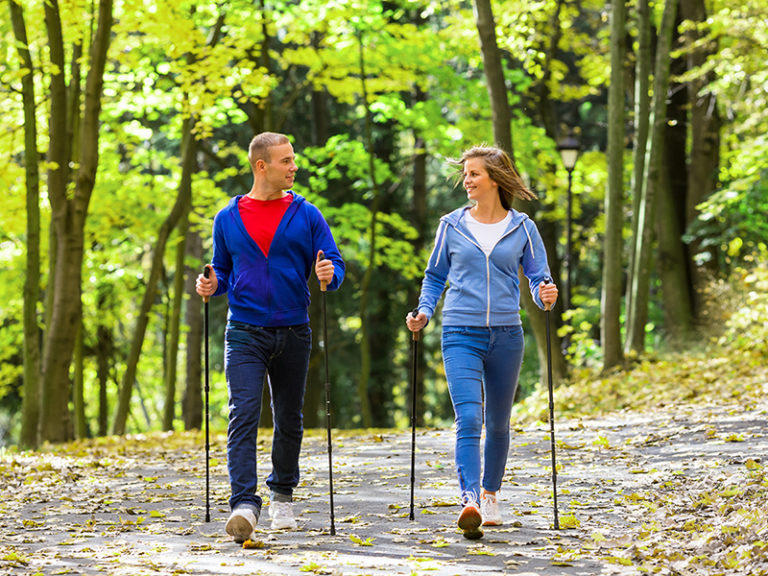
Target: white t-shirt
[(487, 235)]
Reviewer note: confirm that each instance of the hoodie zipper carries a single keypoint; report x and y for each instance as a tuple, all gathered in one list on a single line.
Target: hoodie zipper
[(487, 277), (488, 264)]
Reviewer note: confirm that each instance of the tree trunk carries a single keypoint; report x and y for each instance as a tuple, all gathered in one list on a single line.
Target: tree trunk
[(69, 215), (169, 407), (319, 107), (365, 284), (502, 132), (419, 221), (104, 350), (642, 114), (641, 272), (181, 206), (610, 325), (549, 120), (501, 113), (78, 393), (31, 402), (673, 257), (260, 115), (193, 390), (314, 397), (704, 159)]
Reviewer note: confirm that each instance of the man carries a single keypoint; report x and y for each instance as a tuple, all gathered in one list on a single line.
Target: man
[(264, 247)]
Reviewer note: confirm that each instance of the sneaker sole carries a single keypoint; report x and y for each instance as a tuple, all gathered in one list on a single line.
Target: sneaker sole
[(239, 528), (284, 526), (469, 523), (492, 523)]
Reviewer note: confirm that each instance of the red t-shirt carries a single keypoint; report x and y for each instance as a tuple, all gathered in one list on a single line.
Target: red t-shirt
[(262, 217)]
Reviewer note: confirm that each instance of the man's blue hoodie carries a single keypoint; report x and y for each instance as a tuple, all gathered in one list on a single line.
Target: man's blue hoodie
[(482, 290), (272, 291)]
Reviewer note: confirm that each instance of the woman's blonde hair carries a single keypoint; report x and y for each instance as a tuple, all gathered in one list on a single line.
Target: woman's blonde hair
[(501, 170)]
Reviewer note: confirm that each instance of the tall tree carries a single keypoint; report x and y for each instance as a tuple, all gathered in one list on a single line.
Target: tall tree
[(69, 212), (640, 277), (502, 131), (180, 207), (673, 259), (192, 402), (365, 284), (31, 400), (169, 406), (704, 156), (610, 324), (642, 112), (419, 221)]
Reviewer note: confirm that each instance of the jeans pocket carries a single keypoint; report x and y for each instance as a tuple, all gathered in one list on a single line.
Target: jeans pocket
[(302, 332)]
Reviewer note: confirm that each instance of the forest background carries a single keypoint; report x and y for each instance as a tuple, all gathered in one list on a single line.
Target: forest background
[(125, 130)]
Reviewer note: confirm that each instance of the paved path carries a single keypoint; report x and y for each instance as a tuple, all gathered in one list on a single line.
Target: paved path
[(136, 506)]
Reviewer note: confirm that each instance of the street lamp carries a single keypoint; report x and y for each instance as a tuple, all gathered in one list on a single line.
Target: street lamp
[(569, 148)]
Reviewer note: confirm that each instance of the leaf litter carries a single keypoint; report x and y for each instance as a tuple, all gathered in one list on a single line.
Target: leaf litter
[(680, 490)]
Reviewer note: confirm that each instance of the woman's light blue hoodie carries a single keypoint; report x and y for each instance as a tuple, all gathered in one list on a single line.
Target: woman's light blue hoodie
[(482, 290)]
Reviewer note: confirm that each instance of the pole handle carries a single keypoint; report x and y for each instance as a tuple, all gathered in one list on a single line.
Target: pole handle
[(415, 335), (547, 306), (206, 274), (323, 283)]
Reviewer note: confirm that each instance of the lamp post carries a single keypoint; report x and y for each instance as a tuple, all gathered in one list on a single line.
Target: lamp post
[(569, 149)]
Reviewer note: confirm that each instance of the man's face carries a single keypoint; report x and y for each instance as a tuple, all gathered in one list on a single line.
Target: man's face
[(281, 168)]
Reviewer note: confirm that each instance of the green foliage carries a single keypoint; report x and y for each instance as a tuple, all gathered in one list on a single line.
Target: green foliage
[(747, 327), (728, 364), (731, 223), (268, 68), (738, 35)]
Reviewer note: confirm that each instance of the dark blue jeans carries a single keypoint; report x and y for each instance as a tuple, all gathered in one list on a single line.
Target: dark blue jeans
[(482, 361), (251, 352)]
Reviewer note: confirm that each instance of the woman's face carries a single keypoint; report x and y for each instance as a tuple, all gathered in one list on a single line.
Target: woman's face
[(477, 183)]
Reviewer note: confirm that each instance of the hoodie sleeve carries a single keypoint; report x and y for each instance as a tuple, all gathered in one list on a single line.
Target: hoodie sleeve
[(222, 259), (534, 261), (436, 273), (322, 239)]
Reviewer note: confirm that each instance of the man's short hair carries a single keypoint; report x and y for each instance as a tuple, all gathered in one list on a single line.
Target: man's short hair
[(261, 143)]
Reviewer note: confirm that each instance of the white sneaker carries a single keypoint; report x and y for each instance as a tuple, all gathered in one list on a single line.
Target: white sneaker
[(282, 515), (241, 524), (489, 510)]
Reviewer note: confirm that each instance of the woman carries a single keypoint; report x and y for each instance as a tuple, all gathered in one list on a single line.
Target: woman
[(478, 251)]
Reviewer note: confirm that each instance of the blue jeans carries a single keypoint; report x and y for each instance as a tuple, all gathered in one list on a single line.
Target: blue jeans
[(250, 352), (482, 361)]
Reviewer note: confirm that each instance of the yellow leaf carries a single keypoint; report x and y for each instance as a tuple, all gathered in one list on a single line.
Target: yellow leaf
[(253, 544), (569, 521), (360, 542), (752, 464)]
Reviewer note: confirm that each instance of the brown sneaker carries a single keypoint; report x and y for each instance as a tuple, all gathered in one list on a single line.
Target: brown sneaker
[(470, 520), (241, 523)]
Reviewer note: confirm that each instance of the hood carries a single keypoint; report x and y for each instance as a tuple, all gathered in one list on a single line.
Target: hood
[(297, 200), (456, 220), (457, 216)]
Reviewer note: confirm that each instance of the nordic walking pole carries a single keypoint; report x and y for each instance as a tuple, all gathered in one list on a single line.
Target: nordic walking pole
[(206, 273), (551, 416), (323, 286), (414, 352)]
